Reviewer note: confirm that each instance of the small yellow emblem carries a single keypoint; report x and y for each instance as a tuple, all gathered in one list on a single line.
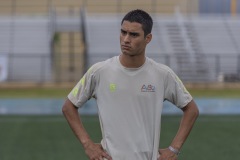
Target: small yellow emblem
[(112, 87)]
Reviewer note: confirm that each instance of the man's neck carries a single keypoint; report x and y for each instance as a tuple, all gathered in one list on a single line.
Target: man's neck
[(135, 61)]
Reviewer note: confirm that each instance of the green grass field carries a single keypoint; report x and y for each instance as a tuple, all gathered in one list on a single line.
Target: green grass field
[(50, 138)]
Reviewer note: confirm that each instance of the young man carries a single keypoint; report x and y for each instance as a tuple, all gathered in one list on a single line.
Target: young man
[(130, 90)]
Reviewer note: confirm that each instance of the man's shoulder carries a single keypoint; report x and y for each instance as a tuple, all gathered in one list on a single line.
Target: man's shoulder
[(159, 66), (101, 65)]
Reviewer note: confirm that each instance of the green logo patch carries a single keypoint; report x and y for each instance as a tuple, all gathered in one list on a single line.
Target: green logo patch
[(112, 87)]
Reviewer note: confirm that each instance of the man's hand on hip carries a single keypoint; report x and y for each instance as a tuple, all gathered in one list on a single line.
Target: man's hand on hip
[(95, 151), (166, 154)]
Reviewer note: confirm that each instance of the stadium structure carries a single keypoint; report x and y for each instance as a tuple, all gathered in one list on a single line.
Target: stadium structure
[(55, 41)]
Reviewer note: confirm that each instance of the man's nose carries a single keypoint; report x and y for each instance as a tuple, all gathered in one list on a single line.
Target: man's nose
[(126, 38)]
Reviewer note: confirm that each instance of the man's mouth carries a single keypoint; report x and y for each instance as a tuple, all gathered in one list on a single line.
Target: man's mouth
[(126, 47)]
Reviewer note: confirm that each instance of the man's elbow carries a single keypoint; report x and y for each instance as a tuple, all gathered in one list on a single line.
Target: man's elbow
[(194, 110), (191, 109), (67, 106), (65, 109)]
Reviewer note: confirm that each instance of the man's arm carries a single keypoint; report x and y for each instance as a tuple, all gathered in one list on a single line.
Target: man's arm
[(190, 114), (93, 151)]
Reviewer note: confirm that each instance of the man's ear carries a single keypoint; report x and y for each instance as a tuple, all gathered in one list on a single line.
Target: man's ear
[(148, 38)]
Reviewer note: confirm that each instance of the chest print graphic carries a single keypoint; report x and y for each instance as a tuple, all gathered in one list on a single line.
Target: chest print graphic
[(148, 88)]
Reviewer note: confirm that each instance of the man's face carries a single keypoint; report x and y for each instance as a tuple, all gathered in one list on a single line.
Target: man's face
[(132, 39)]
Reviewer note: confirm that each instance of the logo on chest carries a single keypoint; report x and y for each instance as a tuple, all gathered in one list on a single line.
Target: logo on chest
[(112, 87), (148, 88)]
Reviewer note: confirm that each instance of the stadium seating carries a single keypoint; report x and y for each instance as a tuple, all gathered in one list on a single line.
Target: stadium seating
[(219, 37), (193, 44), (197, 48), (27, 41)]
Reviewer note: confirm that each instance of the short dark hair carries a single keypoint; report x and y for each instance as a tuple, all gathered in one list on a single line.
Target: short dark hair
[(141, 17)]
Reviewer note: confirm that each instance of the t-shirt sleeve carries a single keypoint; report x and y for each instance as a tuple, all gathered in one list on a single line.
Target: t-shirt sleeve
[(175, 91), (84, 90)]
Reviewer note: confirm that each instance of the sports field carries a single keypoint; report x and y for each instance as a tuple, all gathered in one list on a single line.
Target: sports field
[(50, 138)]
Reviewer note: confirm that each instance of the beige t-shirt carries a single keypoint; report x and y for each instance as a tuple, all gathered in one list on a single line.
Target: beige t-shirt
[(130, 103)]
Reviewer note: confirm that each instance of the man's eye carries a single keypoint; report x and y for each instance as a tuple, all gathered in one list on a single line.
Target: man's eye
[(134, 34), (124, 32)]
